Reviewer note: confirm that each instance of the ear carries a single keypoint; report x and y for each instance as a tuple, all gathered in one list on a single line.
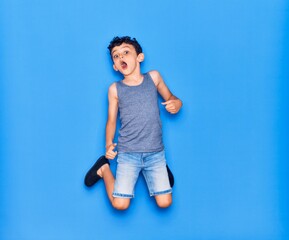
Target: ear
[(115, 68), (140, 57)]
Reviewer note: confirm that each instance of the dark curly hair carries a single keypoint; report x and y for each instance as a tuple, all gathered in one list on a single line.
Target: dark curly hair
[(117, 41)]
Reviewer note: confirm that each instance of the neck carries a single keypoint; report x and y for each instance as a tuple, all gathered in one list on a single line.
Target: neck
[(133, 78)]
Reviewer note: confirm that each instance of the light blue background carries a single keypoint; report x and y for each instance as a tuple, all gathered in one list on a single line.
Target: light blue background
[(228, 147)]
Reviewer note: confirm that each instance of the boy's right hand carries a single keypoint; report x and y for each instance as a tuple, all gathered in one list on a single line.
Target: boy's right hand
[(110, 154)]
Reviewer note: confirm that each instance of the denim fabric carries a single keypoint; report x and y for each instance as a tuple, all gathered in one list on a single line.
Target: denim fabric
[(153, 167)]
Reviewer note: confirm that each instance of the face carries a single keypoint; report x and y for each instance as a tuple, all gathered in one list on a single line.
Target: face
[(125, 59)]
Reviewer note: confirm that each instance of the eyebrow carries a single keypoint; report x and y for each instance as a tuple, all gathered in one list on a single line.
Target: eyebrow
[(122, 48)]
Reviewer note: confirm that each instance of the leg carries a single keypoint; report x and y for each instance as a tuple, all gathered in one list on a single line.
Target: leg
[(164, 200), (101, 170), (121, 189), (156, 175), (106, 174)]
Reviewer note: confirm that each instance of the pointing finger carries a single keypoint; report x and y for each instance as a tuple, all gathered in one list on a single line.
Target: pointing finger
[(167, 102)]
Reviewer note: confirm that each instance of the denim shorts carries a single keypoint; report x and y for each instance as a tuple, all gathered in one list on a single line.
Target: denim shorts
[(153, 167)]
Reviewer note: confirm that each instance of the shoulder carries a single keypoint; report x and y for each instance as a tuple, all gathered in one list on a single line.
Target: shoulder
[(156, 77), (112, 90), (154, 74), (112, 87)]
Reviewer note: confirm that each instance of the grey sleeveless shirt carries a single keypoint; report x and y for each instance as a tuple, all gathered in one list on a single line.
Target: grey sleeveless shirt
[(140, 129)]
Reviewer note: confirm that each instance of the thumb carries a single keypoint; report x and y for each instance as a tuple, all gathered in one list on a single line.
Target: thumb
[(112, 146)]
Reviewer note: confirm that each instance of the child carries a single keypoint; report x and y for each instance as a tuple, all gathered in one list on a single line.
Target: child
[(140, 145)]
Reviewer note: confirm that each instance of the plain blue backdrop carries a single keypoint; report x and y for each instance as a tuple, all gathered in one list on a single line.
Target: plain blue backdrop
[(228, 147)]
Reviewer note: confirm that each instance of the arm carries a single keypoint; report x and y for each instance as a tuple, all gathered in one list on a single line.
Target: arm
[(111, 122), (172, 103)]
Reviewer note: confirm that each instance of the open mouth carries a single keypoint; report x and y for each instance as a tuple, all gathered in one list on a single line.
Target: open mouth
[(123, 65)]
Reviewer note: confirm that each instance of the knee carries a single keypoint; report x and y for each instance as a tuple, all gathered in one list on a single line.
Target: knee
[(120, 205), (164, 203)]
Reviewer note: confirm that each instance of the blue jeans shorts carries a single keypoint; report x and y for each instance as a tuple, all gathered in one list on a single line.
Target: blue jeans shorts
[(153, 167)]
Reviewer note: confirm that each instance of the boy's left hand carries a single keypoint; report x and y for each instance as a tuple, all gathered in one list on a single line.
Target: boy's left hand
[(173, 106)]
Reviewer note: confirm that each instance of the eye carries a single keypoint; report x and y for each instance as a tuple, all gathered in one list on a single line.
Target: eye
[(115, 56), (126, 52)]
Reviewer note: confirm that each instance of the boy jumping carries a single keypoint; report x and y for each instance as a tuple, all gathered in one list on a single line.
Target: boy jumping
[(140, 145)]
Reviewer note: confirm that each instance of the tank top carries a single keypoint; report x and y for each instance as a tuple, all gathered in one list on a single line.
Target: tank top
[(140, 124)]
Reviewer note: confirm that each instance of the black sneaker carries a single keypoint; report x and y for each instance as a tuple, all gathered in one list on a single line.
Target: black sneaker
[(171, 177), (92, 177)]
